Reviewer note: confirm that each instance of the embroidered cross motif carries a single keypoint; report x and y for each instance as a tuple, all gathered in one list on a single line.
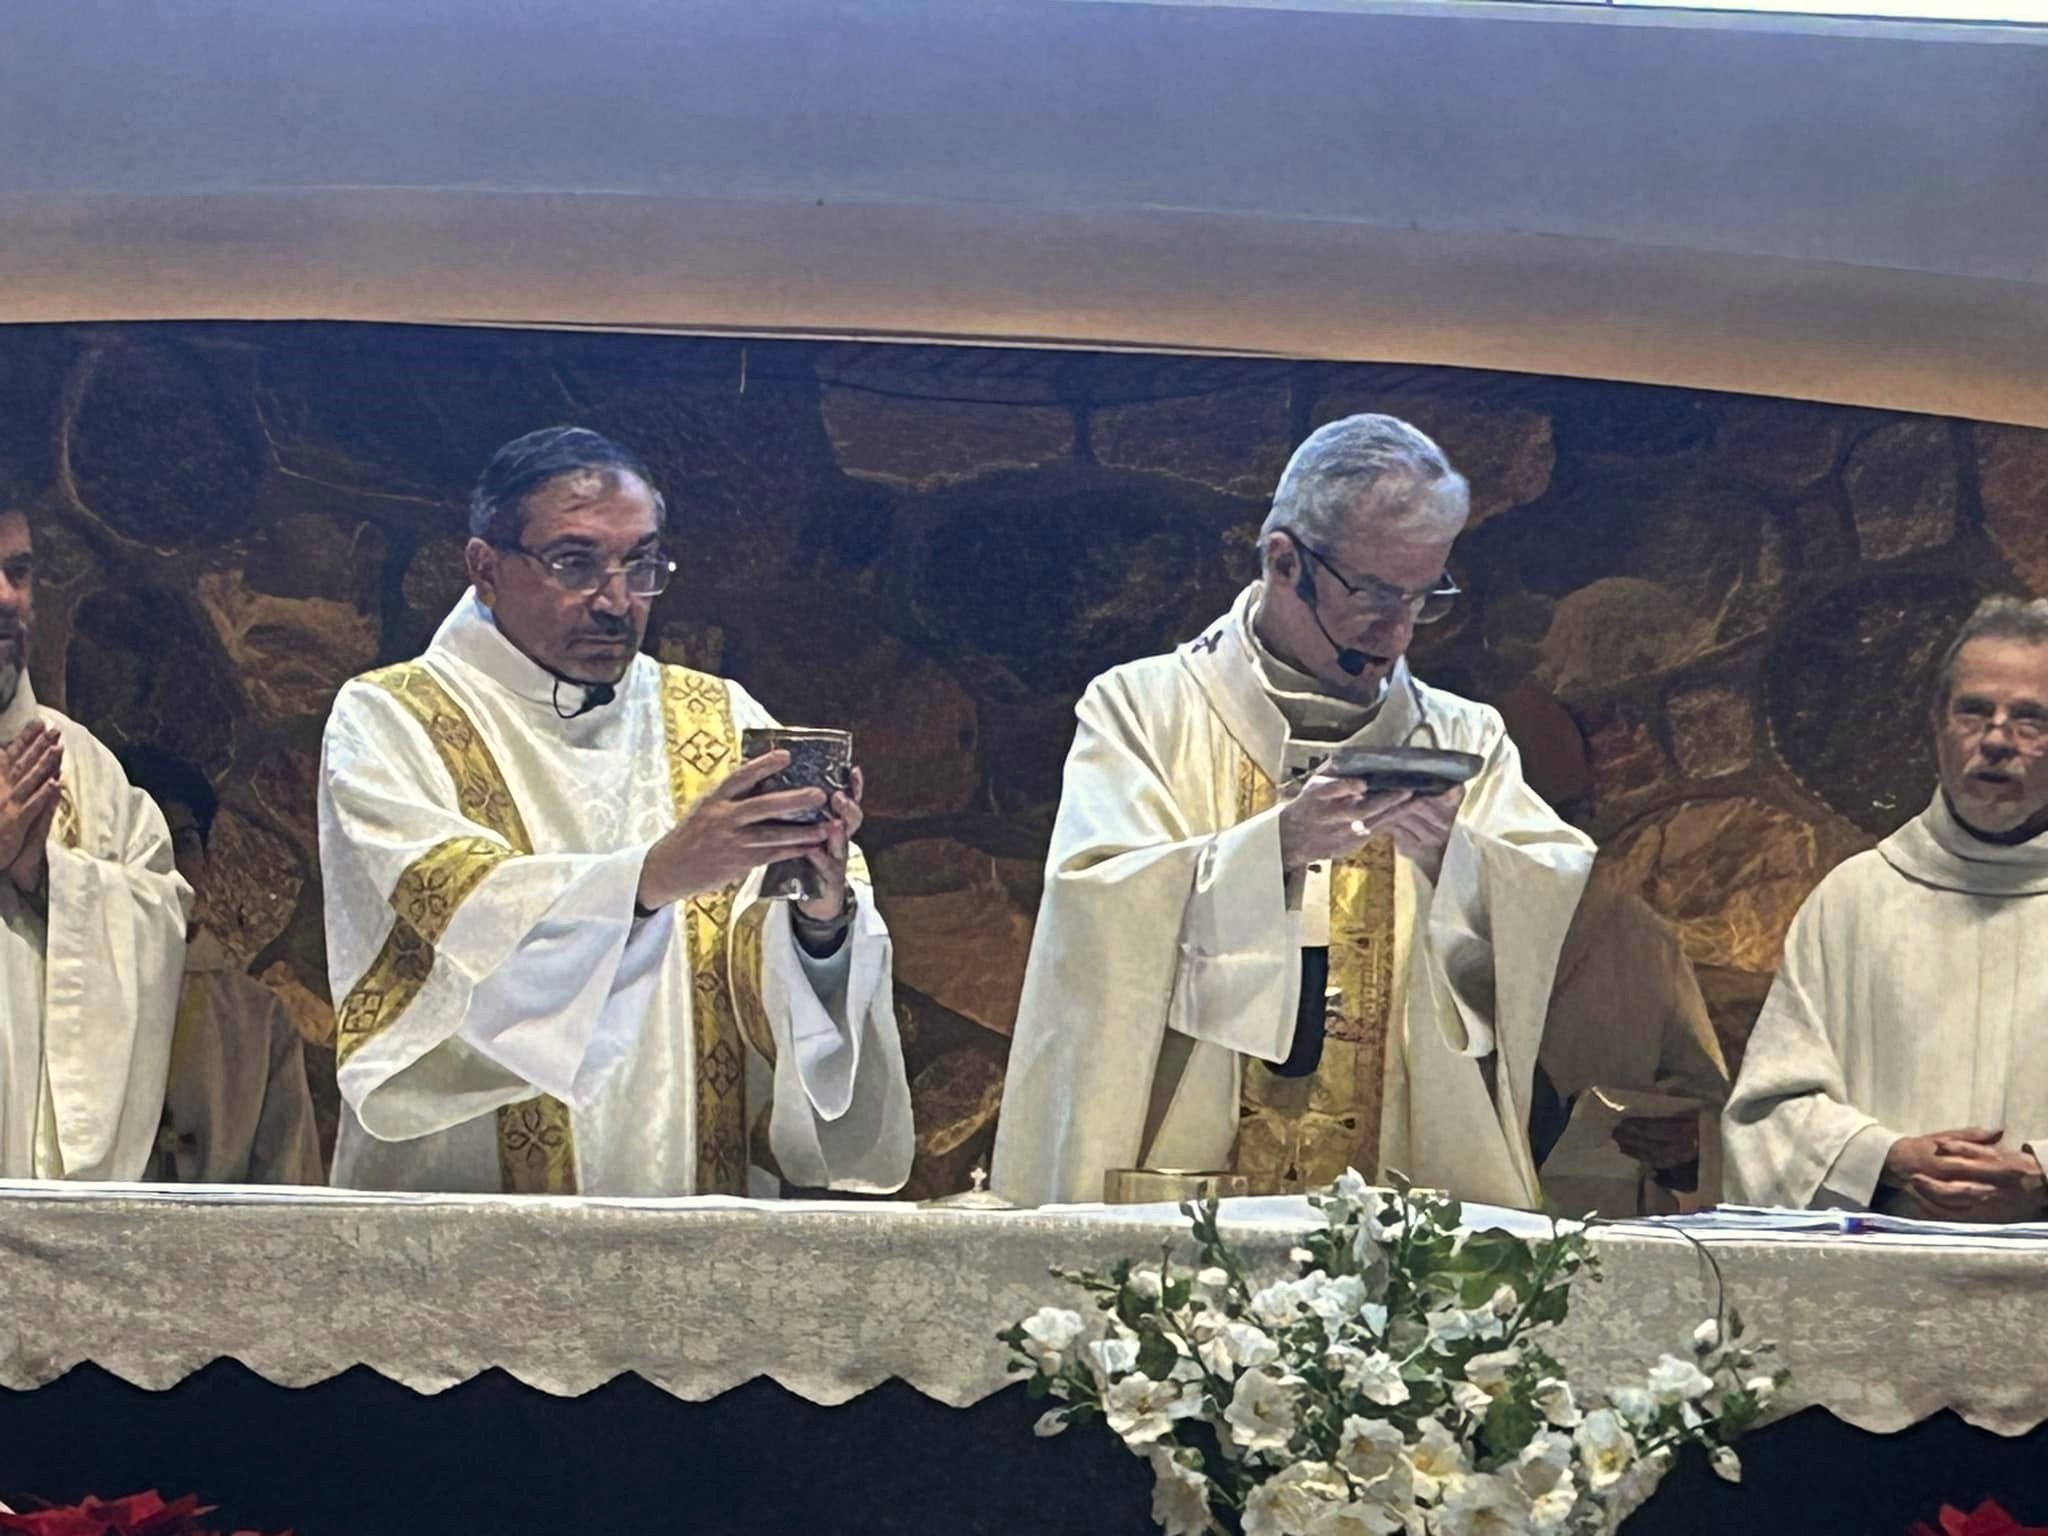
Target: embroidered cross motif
[(702, 751)]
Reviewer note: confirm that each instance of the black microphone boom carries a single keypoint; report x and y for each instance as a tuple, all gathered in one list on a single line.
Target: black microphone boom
[(1351, 660)]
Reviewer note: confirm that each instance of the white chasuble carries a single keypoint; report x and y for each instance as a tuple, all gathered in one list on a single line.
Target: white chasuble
[(1166, 964), (1912, 978), (504, 1019), (88, 973)]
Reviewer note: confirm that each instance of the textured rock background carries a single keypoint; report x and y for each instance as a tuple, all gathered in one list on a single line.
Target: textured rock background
[(1708, 619)]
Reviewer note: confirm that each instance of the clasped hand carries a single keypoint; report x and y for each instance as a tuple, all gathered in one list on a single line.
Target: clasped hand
[(1965, 1175), (732, 831), (1326, 817), (31, 769)]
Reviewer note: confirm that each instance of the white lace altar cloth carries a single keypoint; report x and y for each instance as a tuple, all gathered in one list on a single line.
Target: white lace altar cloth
[(698, 1296)]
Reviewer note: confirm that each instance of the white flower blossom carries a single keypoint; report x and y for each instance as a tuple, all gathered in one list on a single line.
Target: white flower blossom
[(1051, 1423), (1145, 1283), (1288, 1503), (1373, 1375), (1351, 1187), (1261, 1411), (1490, 1372), (1505, 1302), (1437, 1456), (1483, 1504), (1606, 1448), (1727, 1465), (1140, 1409), (1213, 1278), (1549, 1512), (1238, 1347), (1299, 1256), (1634, 1404), (1371, 1448), (1707, 1337), (1675, 1381), (1048, 1334), (1558, 1406), (1470, 1398), (1374, 1316), (1280, 1304), (1545, 1463), (1110, 1358), (1458, 1325), (1357, 1518), (1180, 1495), (1762, 1388), (1338, 1301)]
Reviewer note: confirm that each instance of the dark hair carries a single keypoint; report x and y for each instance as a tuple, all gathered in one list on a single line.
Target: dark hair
[(168, 779), (1996, 618), (497, 507)]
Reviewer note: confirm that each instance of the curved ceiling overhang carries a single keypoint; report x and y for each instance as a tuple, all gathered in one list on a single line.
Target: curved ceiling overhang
[(1844, 211)]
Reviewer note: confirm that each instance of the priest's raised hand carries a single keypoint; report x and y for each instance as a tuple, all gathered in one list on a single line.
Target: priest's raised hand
[(829, 859), (731, 832)]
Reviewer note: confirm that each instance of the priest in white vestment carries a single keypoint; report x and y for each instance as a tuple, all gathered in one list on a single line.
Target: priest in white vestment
[(238, 1109), (1897, 1062), (92, 928), (552, 967), (1244, 964)]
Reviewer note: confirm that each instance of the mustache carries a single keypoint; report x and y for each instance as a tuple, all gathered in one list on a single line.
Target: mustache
[(606, 627)]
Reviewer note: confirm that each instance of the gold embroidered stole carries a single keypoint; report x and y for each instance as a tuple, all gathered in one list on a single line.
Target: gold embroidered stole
[(536, 1144), (703, 748), (1297, 1133)]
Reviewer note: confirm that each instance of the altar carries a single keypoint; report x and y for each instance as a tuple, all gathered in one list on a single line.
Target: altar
[(348, 1363)]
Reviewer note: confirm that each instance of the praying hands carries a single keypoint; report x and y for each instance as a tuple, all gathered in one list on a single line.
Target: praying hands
[(30, 781)]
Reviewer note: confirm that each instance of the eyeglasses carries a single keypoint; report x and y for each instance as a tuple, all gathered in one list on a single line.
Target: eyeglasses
[(647, 576), (1976, 718), (1385, 600)]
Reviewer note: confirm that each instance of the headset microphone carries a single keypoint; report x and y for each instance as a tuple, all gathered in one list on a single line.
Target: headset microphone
[(1351, 660), (595, 695)]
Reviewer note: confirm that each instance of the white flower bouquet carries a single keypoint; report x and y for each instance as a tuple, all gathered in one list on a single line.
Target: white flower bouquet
[(1396, 1383)]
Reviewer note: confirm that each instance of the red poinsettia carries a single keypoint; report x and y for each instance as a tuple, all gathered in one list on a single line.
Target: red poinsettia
[(141, 1514), (1987, 1519)]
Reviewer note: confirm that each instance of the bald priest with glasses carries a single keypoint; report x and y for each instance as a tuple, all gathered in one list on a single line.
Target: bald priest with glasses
[(552, 967), (1261, 950)]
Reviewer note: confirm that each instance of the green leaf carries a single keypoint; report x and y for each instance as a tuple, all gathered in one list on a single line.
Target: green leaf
[(1157, 1356), (1509, 1425)]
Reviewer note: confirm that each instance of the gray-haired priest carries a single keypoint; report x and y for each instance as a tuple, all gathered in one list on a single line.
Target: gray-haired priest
[(552, 968), (1245, 962), (92, 928), (1898, 1061)]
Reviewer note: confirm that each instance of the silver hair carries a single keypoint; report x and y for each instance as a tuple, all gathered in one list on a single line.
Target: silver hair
[(1996, 618), (1368, 466)]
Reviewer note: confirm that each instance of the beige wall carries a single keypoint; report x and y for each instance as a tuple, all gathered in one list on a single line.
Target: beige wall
[(1832, 210)]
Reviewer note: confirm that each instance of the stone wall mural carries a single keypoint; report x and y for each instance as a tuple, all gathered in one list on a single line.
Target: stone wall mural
[(1707, 618)]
